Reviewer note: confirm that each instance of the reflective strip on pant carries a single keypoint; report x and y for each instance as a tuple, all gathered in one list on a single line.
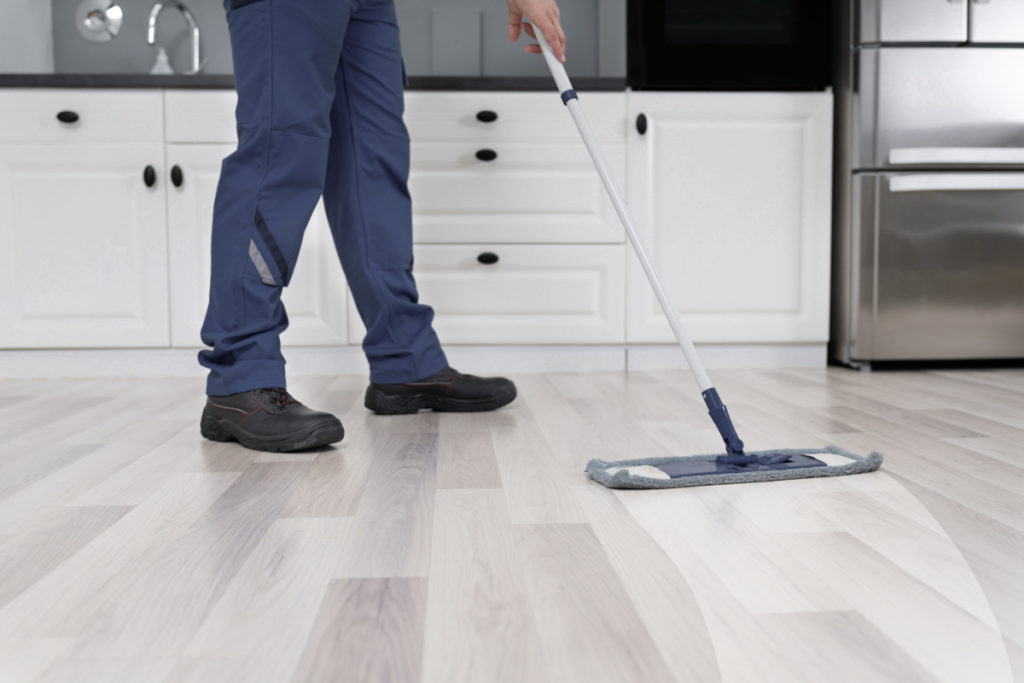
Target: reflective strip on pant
[(261, 265)]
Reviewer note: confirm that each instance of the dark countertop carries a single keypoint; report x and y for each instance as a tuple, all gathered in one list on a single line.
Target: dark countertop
[(226, 81), (114, 81)]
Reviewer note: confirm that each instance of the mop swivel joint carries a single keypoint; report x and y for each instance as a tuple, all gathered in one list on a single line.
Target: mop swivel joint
[(733, 444)]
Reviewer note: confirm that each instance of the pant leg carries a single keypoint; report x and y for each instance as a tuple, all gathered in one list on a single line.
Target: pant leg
[(285, 56), (368, 203)]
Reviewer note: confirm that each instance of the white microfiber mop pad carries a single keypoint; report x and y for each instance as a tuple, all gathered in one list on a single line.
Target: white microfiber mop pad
[(644, 473)]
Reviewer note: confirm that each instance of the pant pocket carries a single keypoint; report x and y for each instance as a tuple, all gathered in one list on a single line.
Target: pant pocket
[(387, 207)]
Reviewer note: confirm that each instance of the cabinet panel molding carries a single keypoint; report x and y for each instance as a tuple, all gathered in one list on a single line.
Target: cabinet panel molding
[(532, 294), (84, 262), (731, 194)]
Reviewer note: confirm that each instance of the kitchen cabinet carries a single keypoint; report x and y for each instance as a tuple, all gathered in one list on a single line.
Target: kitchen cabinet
[(515, 239), (907, 22), (521, 177), (82, 220), (731, 196)]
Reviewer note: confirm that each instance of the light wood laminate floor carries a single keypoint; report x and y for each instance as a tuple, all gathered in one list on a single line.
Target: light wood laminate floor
[(473, 548)]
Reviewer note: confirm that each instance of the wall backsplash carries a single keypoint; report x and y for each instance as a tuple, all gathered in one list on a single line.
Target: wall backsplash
[(129, 52), (470, 38), (439, 37), (26, 41)]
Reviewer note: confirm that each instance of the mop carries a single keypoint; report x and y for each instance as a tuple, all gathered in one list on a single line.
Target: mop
[(734, 466)]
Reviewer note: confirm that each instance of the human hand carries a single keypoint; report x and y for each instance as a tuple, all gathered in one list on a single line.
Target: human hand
[(544, 15)]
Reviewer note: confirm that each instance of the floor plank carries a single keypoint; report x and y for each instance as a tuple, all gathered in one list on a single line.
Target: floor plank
[(367, 630), (477, 595), (390, 535), (472, 547), (663, 598), (282, 581), (27, 557), (589, 628)]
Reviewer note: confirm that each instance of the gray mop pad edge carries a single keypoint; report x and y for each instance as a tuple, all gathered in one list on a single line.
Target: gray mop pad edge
[(622, 479)]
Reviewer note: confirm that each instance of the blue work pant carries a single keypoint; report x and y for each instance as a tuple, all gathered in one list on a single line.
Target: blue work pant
[(319, 113)]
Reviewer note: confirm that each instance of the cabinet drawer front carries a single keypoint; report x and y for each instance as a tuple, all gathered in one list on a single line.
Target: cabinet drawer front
[(531, 295), (85, 116), (201, 116), (528, 193), (205, 116), (521, 116)]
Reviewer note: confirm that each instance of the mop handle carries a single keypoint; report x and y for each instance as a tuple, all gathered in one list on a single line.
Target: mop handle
[(573, 103)]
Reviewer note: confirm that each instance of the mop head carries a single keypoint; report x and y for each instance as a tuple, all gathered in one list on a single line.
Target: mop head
[(702, 470)]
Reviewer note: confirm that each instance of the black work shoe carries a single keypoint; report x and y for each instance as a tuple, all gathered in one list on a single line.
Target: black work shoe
[(268, 420), (447, 391)]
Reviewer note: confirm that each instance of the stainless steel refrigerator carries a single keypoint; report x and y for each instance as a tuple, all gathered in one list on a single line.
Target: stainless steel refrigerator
[(929, 189)]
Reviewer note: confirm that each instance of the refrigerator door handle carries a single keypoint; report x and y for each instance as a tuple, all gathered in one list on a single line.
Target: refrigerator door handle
[(955, 182), (956, 155)]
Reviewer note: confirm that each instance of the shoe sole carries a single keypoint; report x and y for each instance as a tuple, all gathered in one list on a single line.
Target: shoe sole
[(216, 429), (383, 403)]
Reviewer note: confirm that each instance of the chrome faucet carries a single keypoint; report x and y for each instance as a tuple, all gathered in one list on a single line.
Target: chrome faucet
[(193, 27)]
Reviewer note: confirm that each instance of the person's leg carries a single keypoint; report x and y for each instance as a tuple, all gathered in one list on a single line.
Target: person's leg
[(285, 53), (367, 201), (370, 213)]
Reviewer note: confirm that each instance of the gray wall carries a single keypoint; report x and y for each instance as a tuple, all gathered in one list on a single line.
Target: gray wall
[(129, 52), (470, 38), (26, 42), (439, 37)]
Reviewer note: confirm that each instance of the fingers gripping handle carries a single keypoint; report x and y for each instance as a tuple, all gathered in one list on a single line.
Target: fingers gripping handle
[(557, 70)]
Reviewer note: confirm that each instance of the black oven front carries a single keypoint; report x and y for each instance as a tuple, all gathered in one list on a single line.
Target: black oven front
[(730, 44)]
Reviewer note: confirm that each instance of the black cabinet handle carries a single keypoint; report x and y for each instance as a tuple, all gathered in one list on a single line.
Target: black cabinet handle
[(641, 124), (149, 176), (487, 258), (486, 154), (177, 176), (487, 116), (67, 116)]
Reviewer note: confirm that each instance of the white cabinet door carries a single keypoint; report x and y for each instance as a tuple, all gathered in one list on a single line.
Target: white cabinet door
[(84, 258), (532, 294), (315, 298), (731, 193)]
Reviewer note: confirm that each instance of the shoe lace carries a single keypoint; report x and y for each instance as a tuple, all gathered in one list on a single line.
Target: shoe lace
[(278, 396)]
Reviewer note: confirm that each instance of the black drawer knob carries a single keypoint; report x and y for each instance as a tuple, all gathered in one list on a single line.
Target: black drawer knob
[(486, 154), (67, 116), (177, 176), (149, 176), (487, 258), (487, 116), (641, 124)]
